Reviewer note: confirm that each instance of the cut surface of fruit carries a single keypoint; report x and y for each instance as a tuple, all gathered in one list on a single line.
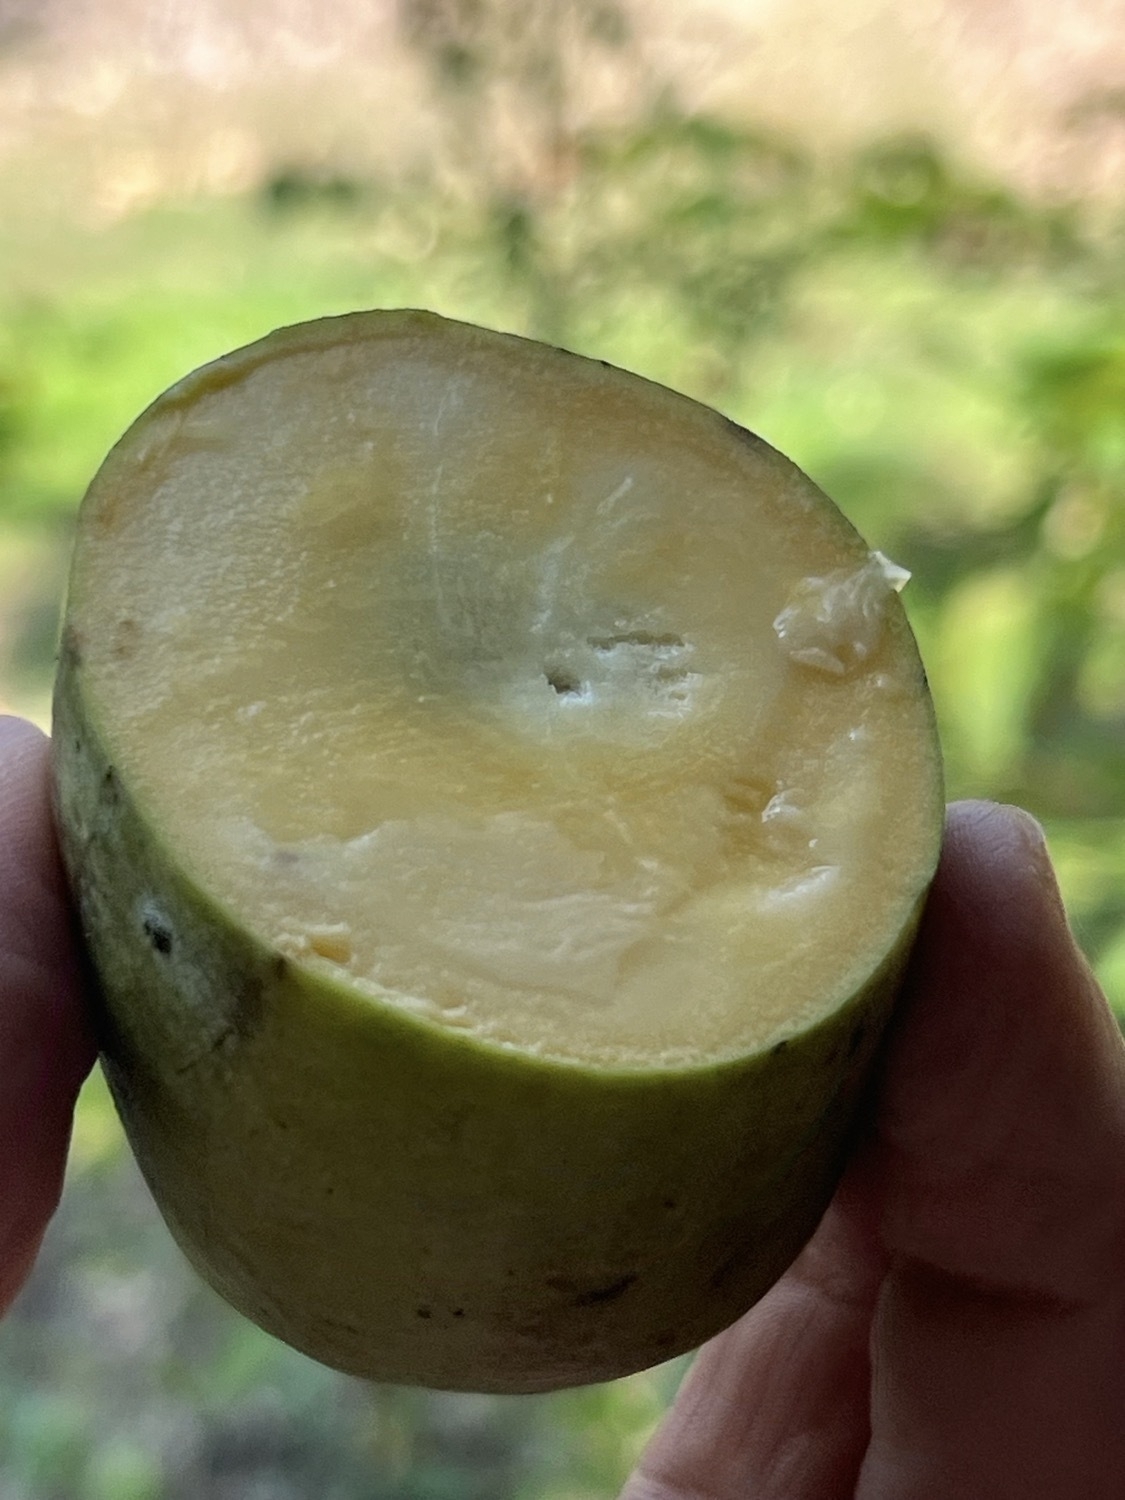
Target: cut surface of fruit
[(524, 696)]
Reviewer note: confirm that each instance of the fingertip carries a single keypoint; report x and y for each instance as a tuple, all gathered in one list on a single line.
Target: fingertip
[(996, 1171), (21, 744), (1001, 1113), (995, 874), (992, 832), (46, 1047)]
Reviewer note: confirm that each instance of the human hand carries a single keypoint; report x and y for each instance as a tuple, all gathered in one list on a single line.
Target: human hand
[(45, 1045), (956, 1328)]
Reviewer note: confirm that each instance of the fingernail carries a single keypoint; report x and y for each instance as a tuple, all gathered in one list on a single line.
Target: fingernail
[(1030, 825), (1038, 850)]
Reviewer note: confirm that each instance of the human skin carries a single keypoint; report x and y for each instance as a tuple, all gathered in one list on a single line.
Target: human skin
[(46, 1048), (956, 1328)]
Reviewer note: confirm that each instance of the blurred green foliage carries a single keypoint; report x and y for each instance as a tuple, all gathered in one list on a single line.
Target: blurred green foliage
[(945, 357)]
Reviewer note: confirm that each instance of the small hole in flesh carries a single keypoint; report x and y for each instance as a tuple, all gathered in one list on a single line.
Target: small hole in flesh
[(563, 682)]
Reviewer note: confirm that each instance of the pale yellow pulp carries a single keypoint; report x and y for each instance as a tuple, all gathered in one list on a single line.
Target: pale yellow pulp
[(515, 693)]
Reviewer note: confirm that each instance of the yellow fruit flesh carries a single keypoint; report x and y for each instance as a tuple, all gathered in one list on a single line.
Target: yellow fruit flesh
[(534, 701)]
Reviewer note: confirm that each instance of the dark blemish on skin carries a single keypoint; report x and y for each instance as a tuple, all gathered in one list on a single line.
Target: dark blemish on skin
[(111, 787), (670, 1204), (126, 639), (423, 1312), (219, 1043), (337, 1325), (592, 1296), (159, 934), (458, 1312), (856, 1038), (224, 1037), (606, 1293), (71, 646)]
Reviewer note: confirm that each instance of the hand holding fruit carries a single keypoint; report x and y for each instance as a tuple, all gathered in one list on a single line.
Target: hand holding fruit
[(955, 1328)]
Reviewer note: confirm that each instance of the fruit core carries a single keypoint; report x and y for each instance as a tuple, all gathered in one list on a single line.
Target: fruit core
[(517, 693)]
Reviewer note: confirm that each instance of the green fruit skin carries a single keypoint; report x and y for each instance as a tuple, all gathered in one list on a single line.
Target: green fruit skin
[(411, 1205)]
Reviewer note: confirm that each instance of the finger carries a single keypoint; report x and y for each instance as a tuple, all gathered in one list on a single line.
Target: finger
[(777, 1407), (45, 1045), (999, 1165)]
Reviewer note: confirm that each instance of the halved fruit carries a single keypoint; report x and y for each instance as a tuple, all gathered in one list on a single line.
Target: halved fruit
[(499, 793)]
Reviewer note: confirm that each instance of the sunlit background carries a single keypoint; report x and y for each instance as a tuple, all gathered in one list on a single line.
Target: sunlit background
[(888, 236)]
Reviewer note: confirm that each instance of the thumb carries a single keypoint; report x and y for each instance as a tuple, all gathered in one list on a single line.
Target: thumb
[(998, 1174), (45, 1044)]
